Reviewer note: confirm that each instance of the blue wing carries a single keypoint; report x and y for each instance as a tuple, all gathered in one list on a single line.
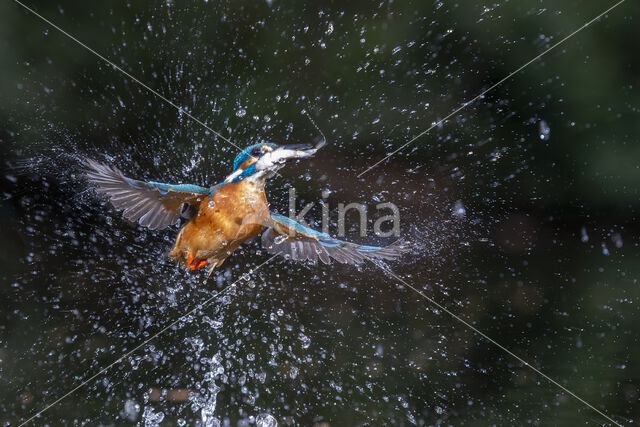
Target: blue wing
[(288, 237), (152, 204)]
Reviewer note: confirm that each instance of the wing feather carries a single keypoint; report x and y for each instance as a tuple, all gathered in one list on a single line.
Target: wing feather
[(155, 205), (323, 255), (288, 237)]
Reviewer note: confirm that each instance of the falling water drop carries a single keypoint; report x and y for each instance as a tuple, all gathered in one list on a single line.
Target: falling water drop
[(584, 237), (458, 210), (131, 409), (544, 131), (266, 420), (305, 340), (329, 29)]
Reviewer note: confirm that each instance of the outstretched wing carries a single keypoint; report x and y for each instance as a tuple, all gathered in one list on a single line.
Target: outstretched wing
[(152, 204), (288, 237)]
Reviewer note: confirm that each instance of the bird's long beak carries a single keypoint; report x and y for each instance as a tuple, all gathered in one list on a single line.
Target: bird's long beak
[(293, 151), (275, 159)]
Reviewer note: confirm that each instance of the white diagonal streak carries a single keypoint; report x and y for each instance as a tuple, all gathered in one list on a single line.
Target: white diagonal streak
[(139, 346), (492, 87), (153, 91), (501, 347)]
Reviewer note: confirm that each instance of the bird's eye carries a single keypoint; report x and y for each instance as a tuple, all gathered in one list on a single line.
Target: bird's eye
[(256, 152)]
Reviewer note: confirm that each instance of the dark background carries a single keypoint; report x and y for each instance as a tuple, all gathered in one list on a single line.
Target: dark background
[(545, 259)]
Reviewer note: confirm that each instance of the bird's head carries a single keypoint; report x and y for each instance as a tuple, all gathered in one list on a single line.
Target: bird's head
[(265, 159)]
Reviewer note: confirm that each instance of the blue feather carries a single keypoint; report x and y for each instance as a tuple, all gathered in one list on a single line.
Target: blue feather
[(181, 188), (323, 238), (298, 227)]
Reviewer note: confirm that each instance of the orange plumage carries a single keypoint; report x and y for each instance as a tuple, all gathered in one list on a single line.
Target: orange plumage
[(236, 213)]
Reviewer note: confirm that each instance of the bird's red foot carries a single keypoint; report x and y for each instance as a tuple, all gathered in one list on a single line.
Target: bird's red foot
[(195, 264)]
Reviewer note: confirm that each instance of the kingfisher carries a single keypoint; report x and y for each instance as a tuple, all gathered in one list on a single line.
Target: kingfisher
[(219, 218)]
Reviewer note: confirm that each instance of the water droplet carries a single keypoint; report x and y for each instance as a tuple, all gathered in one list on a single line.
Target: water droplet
[(329, 29), (379, 350), (280, 239), (306, 341), (544, 131), (151, 418), (266, 420), (459, 211), (617, 240), (293, 373), (131, 409), (584, 237)]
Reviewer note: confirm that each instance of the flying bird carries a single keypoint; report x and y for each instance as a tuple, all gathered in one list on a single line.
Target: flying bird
[(219, 218)]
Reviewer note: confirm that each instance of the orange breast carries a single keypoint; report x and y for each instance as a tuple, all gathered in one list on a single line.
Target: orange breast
[(235, 214)]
